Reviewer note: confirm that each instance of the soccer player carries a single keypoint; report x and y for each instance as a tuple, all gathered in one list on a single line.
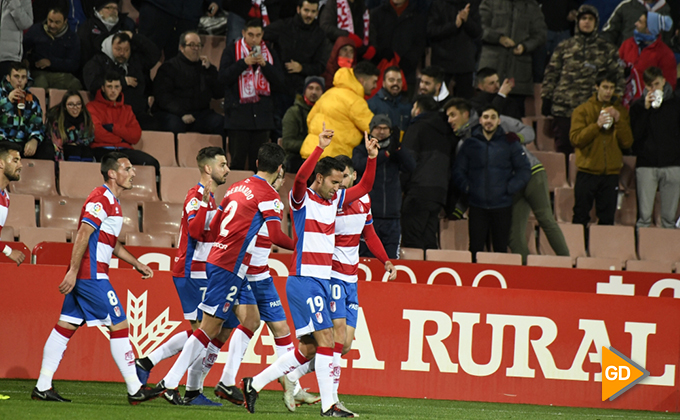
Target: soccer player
[(188, 274), (270, 310), (245, 208), (308, 286), (89, 296), (10, 170)]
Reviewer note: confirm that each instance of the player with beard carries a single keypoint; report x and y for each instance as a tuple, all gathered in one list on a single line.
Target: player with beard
[(10, 170)]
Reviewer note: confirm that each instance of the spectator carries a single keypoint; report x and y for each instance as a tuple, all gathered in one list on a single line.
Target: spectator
[(183, 88), (386, 192), (600, 129), (250, 72), (397, 28), (605, 8), (53, 50), (348, 18), (432, 84), (71, 129), (454, 29), (15, 17), (646, 49), (241, 11), (344, 110), (390, 100), (656, 131), (343, 55), (571, 74), (105, 21), (132, 56), (512, 31), (621, 24), (491, 167), (560, 16), (115, 125), (21, 117), (301, 45), (295, 122), (490, 91), (431, 142), (162, 21)]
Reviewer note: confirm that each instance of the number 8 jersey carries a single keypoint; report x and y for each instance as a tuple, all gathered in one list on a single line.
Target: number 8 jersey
[(246, 206)]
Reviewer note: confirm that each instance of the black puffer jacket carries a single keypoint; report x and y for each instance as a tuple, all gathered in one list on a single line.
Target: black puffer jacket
[(431, 140), (183, 87), (656, 131), (491, 171), (454, 49), (93, 32)]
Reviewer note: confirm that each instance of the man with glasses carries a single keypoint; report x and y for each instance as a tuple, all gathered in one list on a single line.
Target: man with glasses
[(183, 88), (105, 21)]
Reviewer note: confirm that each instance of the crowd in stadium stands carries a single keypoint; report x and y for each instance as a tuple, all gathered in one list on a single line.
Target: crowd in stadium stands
[(471, 101)]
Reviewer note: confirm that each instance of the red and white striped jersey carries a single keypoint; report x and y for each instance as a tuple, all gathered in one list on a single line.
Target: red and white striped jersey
[(102, 211), (192, 252), (246, 206), (4, 207), (314, 230), (259, 266), (349, 223)]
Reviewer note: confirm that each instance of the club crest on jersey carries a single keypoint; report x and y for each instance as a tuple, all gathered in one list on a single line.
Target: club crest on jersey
[(226, 306), (332, 306), (193, 205), (116, 309), (278, 206), (319, 317)]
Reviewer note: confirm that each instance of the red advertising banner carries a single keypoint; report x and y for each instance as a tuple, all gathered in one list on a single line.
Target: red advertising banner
[(466, 343)]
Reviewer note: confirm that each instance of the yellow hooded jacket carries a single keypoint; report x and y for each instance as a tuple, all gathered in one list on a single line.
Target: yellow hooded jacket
[(343, 109)]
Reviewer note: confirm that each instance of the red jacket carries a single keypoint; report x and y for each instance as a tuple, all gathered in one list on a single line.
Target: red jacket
[(656, 54), (125, 130)]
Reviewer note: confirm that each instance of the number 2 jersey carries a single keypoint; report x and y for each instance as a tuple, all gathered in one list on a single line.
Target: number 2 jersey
[(195, 237), (102, 211), (246, 206)]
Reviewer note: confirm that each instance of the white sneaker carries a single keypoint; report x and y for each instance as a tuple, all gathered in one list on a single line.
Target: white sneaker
[(288, 389), (341, 406), (304, 397)]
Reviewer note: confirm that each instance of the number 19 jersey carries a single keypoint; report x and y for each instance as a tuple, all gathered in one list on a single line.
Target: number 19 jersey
[(246, 206)]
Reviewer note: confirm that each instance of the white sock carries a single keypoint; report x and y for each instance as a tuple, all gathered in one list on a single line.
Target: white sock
[(301, 371), (54, 349), (337, 354), (122, 353), (193, 349), (283, 345), (238, 344), (283, 365), (170, 348), (194, 373), (201, 367), (325, 376)]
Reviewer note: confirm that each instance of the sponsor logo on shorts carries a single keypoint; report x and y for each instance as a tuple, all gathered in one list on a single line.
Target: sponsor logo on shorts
[(332, 306), (274, 304), (319, 317), (353, 306), (116, 310), (226, 306)]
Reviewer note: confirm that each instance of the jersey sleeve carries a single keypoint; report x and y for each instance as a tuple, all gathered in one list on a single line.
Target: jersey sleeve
[(271, 208), (96, 211), (196, 211)]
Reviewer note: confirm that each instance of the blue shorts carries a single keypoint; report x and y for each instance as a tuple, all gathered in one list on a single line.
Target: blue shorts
[(268, 300), (93, 301), (309, 299), (225, 291), (344, 301), (191, 293)]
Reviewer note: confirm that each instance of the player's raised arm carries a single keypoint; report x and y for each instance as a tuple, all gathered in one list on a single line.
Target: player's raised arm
[(307, 168), (197, 222), (79, 247), (122, 253), (366, 184)]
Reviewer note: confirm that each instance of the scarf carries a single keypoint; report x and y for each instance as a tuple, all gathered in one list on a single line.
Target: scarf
[(643, 39), (259, 10), (61, 33), (658, 5), (107, 48), (252, 83), (346, 22), (108, 25)]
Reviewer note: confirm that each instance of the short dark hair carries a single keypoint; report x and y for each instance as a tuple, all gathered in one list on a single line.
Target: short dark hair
[(487, 107), (270, 157), (110, 161), (461, 104), (391, 68), (254, 23), (483, 73), (17, 66), (366, 68), (111, 76), (426, 103), (327, 165), (299, 3), (6, 146), (435, 72), (607, 77), (345, 161), (651, 74), (121, 37), (183, 37), (57, 9), (208, 153)]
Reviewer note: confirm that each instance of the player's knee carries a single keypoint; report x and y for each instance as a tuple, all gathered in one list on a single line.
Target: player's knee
[(308, 349), (279, 328), (346, 348)]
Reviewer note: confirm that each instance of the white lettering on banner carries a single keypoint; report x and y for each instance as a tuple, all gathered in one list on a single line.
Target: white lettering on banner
[(156, 257), (406, 270), (595, 335), (113, 263), (615, 287), (447, 270), (367, 271), (499, 276), (363, 343), (278, 266), (416, 334), (660, 286)]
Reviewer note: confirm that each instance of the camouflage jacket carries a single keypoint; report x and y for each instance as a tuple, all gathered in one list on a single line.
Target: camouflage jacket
[(20, 125)]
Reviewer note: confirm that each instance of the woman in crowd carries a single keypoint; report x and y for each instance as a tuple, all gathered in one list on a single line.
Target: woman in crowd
[(71, 129)]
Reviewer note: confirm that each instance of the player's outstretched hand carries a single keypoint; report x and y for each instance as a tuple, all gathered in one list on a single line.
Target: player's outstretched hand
[(147, 273), (390, 268), (206, 191), (17, 256), (371, 145), (68, 283), (325, 137)]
